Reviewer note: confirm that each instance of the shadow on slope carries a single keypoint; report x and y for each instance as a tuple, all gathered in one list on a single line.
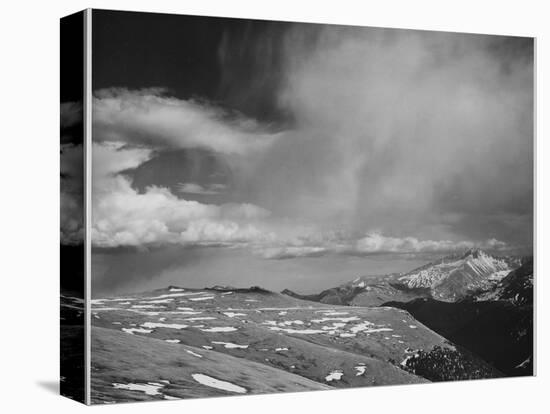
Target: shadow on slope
[(498, 331)]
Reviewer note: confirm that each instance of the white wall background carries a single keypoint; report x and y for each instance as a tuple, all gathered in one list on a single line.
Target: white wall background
[(29, 203)]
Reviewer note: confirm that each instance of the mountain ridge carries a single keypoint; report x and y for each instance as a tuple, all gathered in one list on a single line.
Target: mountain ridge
[(451, 278)]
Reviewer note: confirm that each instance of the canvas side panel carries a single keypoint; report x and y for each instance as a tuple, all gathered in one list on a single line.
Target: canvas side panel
[(72, 252)]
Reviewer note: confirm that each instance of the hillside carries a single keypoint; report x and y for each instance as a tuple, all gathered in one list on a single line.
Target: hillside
[(199, 339), (498, 330), (480, 302), (364, 291), (456, 277), (474, 273)]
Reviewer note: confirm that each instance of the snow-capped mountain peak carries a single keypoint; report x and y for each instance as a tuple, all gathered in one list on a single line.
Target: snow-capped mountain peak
[(454, 276)]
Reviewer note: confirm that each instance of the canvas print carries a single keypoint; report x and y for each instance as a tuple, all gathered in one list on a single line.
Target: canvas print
[(72, 193), (281, 207)]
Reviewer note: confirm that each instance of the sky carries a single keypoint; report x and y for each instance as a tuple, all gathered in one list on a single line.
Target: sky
[(300, 156)]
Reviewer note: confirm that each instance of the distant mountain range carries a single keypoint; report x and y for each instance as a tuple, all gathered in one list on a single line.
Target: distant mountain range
[(453, 278), (479, 301), (467, 316)]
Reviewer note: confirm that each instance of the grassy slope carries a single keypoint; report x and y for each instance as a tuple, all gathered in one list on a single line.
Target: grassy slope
[(310, 356), (122, 358)]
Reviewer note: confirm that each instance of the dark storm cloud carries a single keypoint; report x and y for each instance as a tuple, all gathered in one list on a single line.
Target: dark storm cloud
[(234, 63), (402, 141), (409, 133)]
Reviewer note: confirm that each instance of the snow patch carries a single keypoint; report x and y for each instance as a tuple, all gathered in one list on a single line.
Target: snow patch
[(361, 369), (163, 325), (151, 388), (157, 301), (229, 345), (368, 327), (349, 319), (220, 329), (146, 307), (233, 314), (201, 318), (193, 353), (219, 384), (297, 331), (202, 298), (138, 330), (334, 376)]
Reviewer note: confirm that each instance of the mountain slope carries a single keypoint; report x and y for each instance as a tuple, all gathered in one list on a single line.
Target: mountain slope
[(122, 369), (455, 277), (452, 278), (518, 285), (364, 291), (499, 330), (330, 345)]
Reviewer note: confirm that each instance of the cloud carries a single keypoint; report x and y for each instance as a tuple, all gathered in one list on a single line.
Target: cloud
[(194, 188), (378, 243), (149, 117), (128, 129), (429, 134), (374, 243), (291, 252), (122, 216), (423, 136)]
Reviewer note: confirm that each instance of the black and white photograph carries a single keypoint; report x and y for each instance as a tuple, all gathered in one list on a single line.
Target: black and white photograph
[(282, 206)]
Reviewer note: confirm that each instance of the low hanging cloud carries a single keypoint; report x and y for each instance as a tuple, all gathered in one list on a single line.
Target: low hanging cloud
[(376, 243)]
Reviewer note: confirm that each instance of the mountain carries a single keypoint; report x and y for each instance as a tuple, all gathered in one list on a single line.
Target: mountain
[(499, 330), (474, 273), (479, 302), (364, 291), (456, 277), (518, 285), (184, 343)]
